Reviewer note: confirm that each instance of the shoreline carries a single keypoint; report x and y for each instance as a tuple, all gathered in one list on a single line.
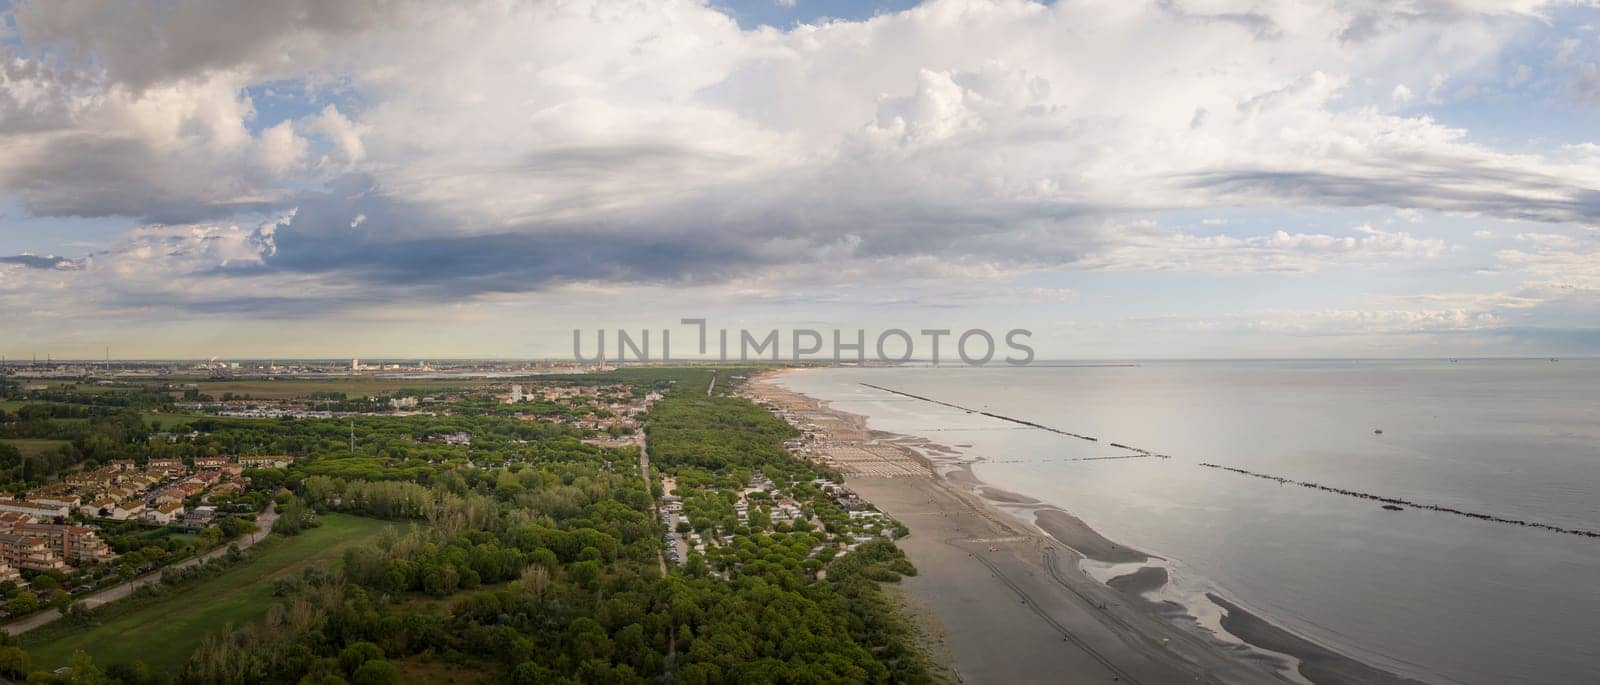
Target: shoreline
[(991, 567)]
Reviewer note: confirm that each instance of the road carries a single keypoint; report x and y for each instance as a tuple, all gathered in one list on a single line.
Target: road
[(713, 385), (644, 472), (116, 592)]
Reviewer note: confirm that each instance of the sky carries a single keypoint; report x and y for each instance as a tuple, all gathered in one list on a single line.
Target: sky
[(1163, 179)]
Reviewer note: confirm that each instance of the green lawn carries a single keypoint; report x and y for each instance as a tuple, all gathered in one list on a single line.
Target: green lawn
[(30, 447), (164, 633)]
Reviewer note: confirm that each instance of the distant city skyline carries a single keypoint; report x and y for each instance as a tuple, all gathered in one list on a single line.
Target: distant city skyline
[(1163, 179)]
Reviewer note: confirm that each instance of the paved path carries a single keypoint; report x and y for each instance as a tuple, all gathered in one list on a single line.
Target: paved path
[(644, 472), (116, 592)]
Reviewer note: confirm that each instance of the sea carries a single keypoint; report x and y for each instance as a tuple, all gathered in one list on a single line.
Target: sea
[(1432, 595)]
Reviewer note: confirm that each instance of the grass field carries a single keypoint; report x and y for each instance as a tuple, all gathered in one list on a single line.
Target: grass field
[(29, 447), (165, 632), (172, 421)]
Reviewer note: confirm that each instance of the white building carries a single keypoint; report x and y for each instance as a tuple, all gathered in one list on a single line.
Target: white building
[(36, 510)]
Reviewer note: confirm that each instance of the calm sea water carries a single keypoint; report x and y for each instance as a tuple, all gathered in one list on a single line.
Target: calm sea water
[(1435, 596)]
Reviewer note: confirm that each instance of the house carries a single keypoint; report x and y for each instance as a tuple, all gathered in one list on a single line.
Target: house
[(34, 509), (272, 462), (100, 506), (105, 507), (67, 502), (167, 467), (452, 439), (165, 513), (8, 573), (122, 493), (205, 478), (204, 463), (231, 487), (167, 496), (122, 464), (127, 510)]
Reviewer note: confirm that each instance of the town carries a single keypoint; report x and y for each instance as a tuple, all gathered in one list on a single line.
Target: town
[(125, 490)]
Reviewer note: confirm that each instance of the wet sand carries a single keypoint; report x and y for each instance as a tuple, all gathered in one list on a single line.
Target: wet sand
[(1074, 533), (1139, 582), (1317, 664), (1000, 571)]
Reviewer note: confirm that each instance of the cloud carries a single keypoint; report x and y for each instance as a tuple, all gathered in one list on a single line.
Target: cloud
[(46, 262), (140, 44), (451, 152), (1146, 247)]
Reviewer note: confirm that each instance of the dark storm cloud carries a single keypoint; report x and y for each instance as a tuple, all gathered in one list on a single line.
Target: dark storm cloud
[(403, 249), (128, 178), (1505, 194), (144, 43), (411, 248), (37, 262)]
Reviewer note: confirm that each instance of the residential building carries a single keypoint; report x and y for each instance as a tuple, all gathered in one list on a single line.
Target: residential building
[(165, 513), (129, 509), (22, 551), (73, 543), (34, 509), (59, 501), (167, 467), (272, 462)]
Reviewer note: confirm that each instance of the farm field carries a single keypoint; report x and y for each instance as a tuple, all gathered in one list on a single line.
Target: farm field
[(168, 630), (170, 421), (32, 447), (351, 386)]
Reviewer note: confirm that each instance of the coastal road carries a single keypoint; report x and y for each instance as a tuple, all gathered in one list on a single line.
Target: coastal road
[(264, 522)]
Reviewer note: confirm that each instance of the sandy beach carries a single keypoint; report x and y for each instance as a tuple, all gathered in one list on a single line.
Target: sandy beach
[(1000, 591)]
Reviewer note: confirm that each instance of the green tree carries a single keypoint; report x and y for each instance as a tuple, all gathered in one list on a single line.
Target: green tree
[(14, 662), (357, 654), (376, 672), (25, 602)]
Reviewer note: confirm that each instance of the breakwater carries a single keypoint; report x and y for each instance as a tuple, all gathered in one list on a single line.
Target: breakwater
[(1148, 455), (1400, 501), (1142, 453), (992, 415)]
